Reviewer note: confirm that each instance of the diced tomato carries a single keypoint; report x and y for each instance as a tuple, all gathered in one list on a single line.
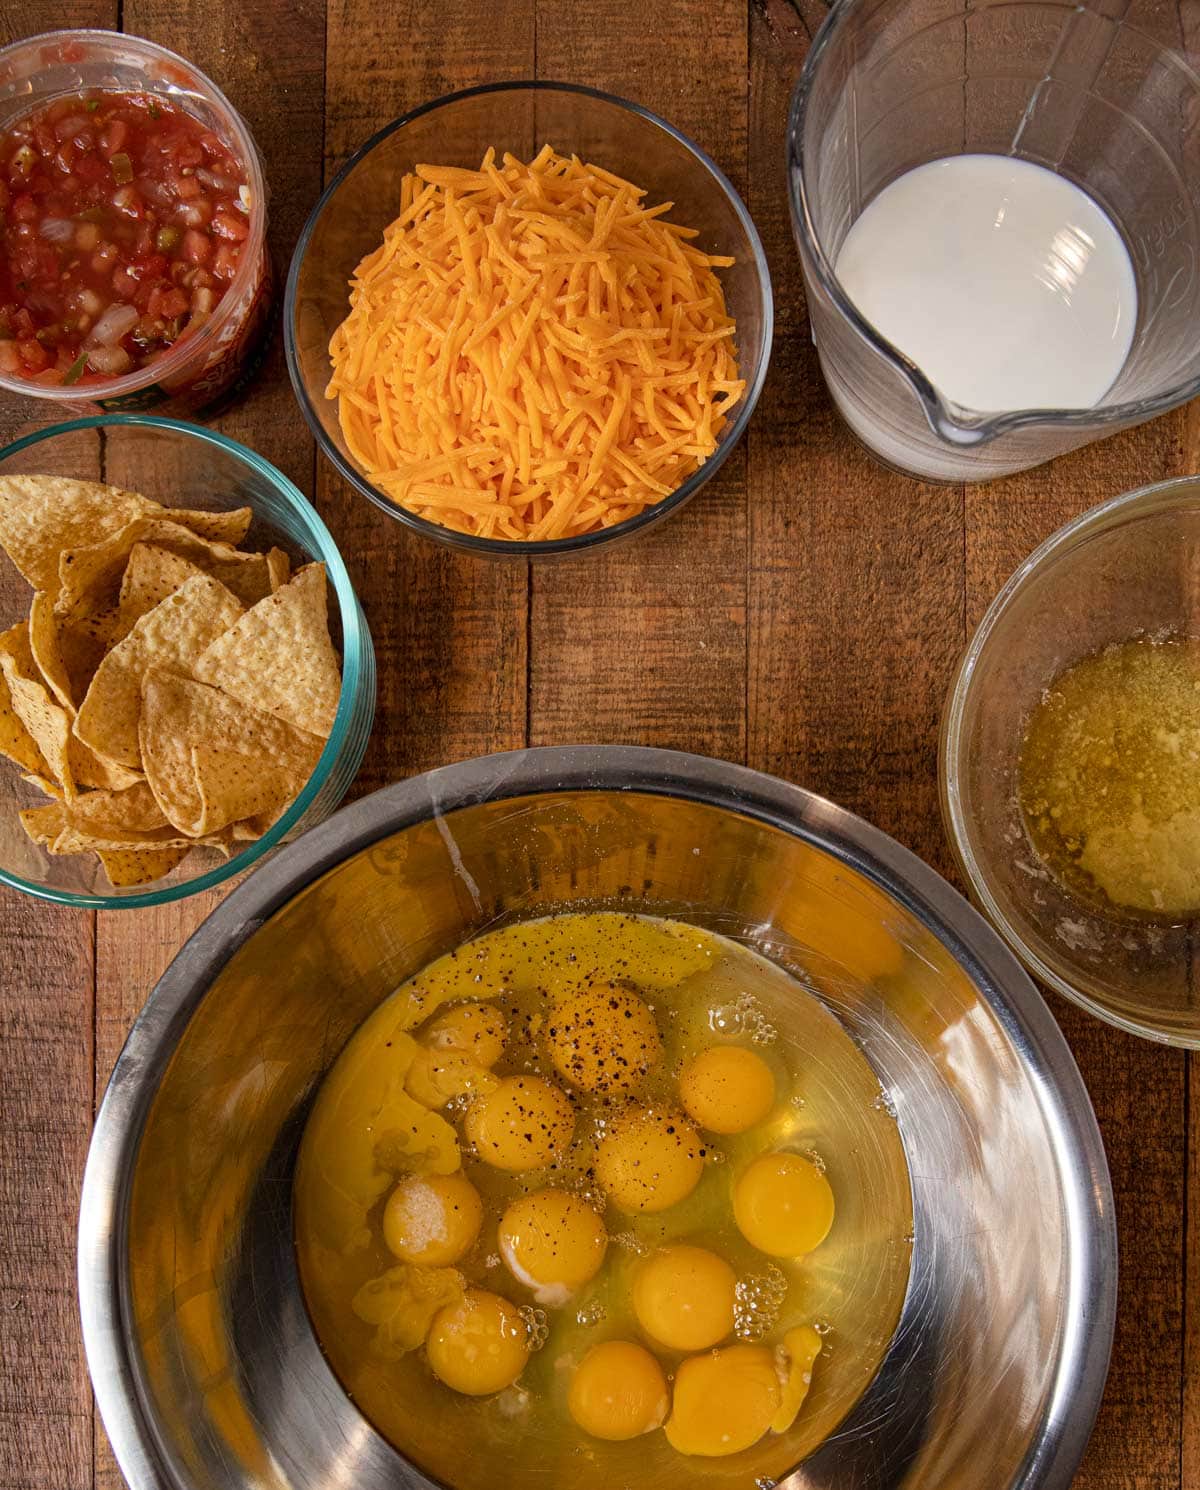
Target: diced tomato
[(67, 127), (230, 225), (33, 354), (24, 208), (10, 358), (23, 324), (186, 187), (173, 303), (113, 137), (126, 199), (224, 266), (196, 248), (124, 285)]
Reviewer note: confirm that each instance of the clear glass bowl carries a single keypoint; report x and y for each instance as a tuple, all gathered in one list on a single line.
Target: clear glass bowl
[(363, 198), (182, 465), (1126, 568), (225, 353)]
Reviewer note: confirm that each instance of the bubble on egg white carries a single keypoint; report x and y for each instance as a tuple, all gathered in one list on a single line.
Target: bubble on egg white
[(744, 1016), (758, 1298), (815, 1159), (591, 1314), (765, 1482), (629, 1241), (823, 1327), (885, 1102), (537, 1326)]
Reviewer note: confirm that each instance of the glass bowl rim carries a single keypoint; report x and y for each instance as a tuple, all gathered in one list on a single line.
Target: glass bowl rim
[(1143, 501), (513, 547), (355, 638), (248, 265)]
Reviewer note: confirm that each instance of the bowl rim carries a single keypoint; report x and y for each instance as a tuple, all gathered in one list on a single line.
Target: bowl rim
[(512, 547), (1088, 1311), (1130, 506), (356, 647)]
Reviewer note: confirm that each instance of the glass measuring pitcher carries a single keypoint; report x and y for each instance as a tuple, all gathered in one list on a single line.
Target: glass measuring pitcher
[(891, 84)]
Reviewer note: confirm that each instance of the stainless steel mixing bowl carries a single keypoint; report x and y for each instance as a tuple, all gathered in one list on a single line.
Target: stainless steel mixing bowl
[(205, 1366)]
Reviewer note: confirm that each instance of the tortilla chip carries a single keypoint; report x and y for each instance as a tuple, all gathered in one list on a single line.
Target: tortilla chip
[(279, 568), (172, 635), (43, 784), (151, 575), (244, 752), (90, 577), (128, 867), (47, 722), (44, 824), (221, 527), (118, 814), (47, 653), (15, 740), (40, 516), (279, 656)]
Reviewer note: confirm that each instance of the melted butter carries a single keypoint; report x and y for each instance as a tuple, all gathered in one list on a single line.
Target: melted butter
[(1110, 776)]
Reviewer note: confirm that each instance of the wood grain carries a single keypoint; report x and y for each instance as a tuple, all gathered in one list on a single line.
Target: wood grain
[(805, 614), (47, 1037), (449, 630), (646, 643)]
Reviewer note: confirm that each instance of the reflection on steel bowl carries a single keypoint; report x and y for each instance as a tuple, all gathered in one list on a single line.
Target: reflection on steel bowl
[(207, 1369)]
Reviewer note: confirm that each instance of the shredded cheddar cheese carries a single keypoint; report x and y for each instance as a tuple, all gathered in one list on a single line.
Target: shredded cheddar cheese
[(530, 353)]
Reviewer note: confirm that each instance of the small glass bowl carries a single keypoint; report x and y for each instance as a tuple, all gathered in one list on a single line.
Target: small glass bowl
[(225, 353), (349, 220), (1128, 568), (182, 465)]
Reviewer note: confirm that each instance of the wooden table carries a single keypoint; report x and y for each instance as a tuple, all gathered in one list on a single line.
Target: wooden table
[(803, 616)]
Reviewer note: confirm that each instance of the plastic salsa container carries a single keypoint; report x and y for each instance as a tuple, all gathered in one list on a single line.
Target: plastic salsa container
[(210, 345)]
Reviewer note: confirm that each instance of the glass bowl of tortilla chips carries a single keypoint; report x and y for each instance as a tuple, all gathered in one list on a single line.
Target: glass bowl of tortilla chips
[(186, 677)]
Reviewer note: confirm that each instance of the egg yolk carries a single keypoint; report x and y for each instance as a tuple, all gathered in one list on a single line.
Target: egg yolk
[(724, 1401), (522, 1123), (648, 1160), (479, 1345), (603, 1039), (783, 1205), (618, 1391), (432, 1219), (552, 1242), (794, 1360), (475, 1030), (727, 1089), (684, 1296)]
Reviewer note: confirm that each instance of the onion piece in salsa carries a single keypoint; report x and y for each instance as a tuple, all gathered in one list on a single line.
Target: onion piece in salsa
[(122, 220)]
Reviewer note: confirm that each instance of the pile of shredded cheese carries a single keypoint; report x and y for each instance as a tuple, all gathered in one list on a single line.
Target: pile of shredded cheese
[(530, 353)]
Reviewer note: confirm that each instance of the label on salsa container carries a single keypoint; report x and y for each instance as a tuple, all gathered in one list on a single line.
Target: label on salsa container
[(122, 224)]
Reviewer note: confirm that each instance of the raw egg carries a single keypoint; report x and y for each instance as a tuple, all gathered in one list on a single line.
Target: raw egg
[(724, 1401), (649, 1160), (476, 1030), (432, 1219), (603, 1039), (783, 1205), (479, 1345), (727, 1089), (684, 1297), (553, 1242), (618, 1391), (522, 1123)]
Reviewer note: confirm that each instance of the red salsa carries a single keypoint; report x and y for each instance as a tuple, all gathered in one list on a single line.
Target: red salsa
[(122, 219)]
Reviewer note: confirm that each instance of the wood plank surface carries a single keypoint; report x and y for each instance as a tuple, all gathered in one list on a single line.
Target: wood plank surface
[(804, 614)]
